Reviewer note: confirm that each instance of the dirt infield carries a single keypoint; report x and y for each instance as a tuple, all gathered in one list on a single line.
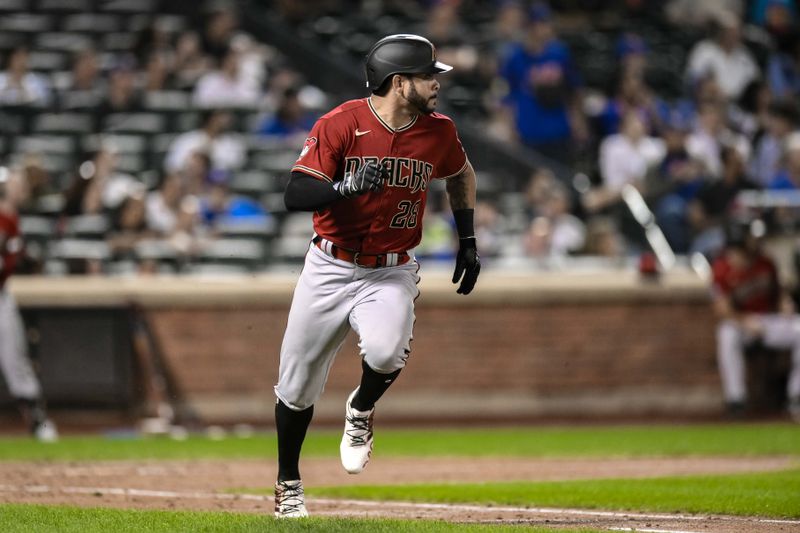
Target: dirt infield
[(205, 485)]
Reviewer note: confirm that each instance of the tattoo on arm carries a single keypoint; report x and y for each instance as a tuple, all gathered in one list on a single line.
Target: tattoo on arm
[(461, 190)]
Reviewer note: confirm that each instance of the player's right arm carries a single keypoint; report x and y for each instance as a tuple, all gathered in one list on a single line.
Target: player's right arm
[(306, 193)]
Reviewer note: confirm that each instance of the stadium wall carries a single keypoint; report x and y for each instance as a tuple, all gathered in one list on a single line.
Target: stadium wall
[(521, 346)]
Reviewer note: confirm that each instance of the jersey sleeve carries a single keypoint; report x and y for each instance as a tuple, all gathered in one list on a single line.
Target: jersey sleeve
[(454, 159), (321, 151)]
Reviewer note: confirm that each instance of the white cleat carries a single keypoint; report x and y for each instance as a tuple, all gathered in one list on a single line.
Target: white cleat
[(356, 446), (290, 500), (46, 431)]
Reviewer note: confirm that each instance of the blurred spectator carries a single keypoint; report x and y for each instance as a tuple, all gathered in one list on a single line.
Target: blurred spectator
[(98, 186), (696, 14), (705, 143), (220, 28), (788, 178), (16, 367), (19, 86), (291, 121), (82, 87), (219, 206), (555, 233), (752, 306), (190, 64), (631, 54), (128, 226), (775, 16), (226, 87), (438, 241), (195, 173), (625, 159), (713, 204), (750, 115), (725, 57), (173, 215), (631, 95), (508, 27), (783, 70), (488, 228), (156, 74), (543, 90), (603, 238), (122, 96), (538, 191), (226, 151), (783, 118), (680, 178), (38, 182)]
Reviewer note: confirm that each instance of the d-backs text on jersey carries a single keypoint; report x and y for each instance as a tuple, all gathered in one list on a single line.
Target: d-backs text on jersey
[(403, 171)]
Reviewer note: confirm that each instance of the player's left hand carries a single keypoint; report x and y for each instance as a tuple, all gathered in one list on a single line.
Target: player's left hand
[(468, 265)]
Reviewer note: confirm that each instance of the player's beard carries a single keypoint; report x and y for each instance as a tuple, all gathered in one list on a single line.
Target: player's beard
[(423, 105)]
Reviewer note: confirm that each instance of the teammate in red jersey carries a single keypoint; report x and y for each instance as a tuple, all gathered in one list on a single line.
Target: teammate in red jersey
[(751, 304), (14, 363), (365, 170)]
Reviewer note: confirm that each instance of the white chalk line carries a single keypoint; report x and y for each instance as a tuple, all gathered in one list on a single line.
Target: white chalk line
[(149, 493), (649, 530)]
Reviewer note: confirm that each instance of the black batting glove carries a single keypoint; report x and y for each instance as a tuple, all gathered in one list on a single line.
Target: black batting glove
[(369, 177), (468, 265)]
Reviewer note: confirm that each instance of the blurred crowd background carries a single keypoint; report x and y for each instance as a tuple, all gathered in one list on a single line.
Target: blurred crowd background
[(156, 136)]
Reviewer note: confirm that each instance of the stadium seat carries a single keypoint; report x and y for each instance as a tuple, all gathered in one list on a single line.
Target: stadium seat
[(149, 123), (71, 249), (35, 227), (159, 250), (90, 22), (244, 252), (50, 204), (167, 101), (26, 22), (127, 6), (72, 42), (214, 269), (11, 6), (58, 144), (122, 143), (78, 123), (87, 226), (47, 61), (121, 41), (252, 183), (78, 6), (10, 40), (260, 228)]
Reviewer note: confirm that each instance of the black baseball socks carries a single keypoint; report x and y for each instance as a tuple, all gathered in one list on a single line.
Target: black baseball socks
[(292, 427), (373, 385)]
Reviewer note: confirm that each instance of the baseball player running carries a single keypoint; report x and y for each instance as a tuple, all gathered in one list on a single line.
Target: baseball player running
[(365, 171), (14, 363)]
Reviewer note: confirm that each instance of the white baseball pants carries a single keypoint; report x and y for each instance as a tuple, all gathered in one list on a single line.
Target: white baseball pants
[(331, 297), (779, 331), (14, 362)]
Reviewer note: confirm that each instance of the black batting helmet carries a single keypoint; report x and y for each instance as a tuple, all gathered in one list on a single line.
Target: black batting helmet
[(401, 54)]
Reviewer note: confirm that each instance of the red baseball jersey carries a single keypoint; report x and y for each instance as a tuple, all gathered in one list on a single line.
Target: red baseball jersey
[(10, 245), (389, 220), (754, 289)]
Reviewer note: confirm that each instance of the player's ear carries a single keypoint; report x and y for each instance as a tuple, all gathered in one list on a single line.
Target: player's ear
[(397, 83)]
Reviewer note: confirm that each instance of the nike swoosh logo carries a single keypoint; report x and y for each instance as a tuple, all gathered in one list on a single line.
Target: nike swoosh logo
[(360, 133)]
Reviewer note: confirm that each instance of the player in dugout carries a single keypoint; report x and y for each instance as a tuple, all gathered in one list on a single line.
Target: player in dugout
[(16, 367)]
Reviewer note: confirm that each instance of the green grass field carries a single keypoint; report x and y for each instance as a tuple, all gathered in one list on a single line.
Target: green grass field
[(34, 518), (774, 494), (623, 441)]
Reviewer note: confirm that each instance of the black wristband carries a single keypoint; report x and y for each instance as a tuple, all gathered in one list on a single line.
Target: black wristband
[(465, 224)]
